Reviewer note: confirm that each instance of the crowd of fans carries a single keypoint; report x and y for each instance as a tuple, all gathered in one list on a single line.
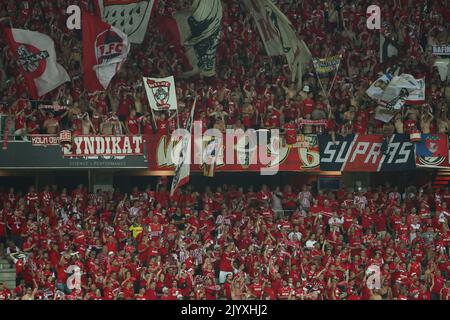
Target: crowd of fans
[(232, 243), (250, 89), (227, 243)]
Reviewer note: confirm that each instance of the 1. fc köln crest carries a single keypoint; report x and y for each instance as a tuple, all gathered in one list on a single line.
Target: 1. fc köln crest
[(111, 49), (105, 49), (161, 93), (32, 59)]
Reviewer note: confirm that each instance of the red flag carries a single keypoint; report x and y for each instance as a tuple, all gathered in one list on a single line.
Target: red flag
[(105, 49), (168, 27)]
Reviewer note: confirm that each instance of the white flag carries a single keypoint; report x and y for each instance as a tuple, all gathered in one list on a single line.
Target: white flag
[(392, 95), (399, 88), (377, 88), (384, 114), (161, 93), (417, 96), (36, 55)]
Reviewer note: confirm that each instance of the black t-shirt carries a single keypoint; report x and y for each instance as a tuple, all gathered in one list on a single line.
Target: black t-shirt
[(177, 218)]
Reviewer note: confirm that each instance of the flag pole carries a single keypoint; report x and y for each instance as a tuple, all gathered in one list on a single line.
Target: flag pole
[(323, 90), (153, 117), (179, 181), (321, 86), (335, 76), (320, 81), (178, 118), (8, 19)]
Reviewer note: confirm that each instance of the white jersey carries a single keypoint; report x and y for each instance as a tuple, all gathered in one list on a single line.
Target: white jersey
[(335, 221), (276, 202), (360, 202), (134, 212), (305, 199)]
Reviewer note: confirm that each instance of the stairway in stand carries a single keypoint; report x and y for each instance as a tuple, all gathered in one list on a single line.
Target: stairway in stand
[(7, 274)]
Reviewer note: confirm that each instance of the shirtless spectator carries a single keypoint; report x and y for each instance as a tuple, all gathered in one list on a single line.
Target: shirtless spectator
[(426, 119), (51, 125), (111, 126), (86, 123), (132, 123)]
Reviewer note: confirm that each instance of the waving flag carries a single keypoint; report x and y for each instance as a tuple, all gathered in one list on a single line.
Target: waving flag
[(279, 37), (36, 55), (195, 34), (392, 93), (417, 96), (161, 93), (105, 49), (129, 16), (183, 168), (377, 88), (327, 65)]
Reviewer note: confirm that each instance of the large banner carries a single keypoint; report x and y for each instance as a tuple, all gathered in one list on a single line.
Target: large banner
[(23, 155), (105, 49), (36, 56), (279, 36), (301, 156), (161, 93), (433, 151), (366, 153), (88, 146), (130, 16)]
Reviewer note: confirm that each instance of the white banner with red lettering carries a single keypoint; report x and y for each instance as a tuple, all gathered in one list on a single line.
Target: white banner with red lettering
[(161, 93), (44, 140), (90, 146)]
